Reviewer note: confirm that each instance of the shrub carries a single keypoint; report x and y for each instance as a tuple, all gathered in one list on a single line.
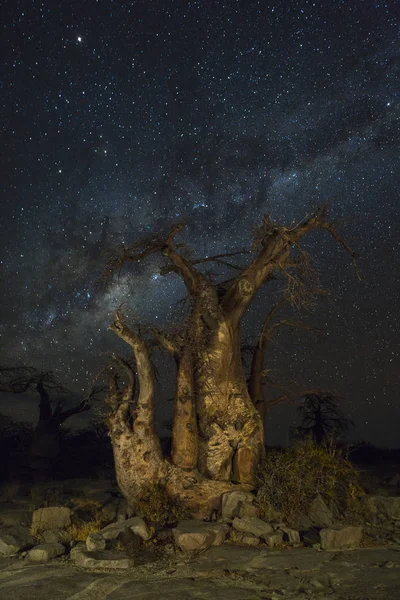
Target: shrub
[(157, 507), (88, 518), (291, 479)]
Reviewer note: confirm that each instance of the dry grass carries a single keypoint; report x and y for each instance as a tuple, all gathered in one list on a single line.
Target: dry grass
[(157, 508), (88, 519), (290, 480)]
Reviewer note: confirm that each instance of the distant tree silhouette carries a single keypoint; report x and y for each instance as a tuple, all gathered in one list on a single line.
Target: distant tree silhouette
[(45, 447), (321, 417)]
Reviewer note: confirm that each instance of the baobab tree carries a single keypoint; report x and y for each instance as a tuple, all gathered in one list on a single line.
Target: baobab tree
[(45, 447), (217, 432), (321, 417)]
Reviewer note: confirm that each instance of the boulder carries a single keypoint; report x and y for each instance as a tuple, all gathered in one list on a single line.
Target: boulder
[(319, 513), (105, 559), (198, 535), (51, 517), (340, 537), (130, 541), (14, 539), (252, 525), (53, 536), (45, 552), (136, 524), (94, 542), (292, 536), (273, 539), (234, 503)]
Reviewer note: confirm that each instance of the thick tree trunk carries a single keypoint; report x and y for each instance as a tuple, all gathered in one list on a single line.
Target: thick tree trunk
[(184, 452), (231, 429)]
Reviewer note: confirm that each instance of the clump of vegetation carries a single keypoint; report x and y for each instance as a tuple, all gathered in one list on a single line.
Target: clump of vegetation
[(88, 518), (291, 479), (157, 507)]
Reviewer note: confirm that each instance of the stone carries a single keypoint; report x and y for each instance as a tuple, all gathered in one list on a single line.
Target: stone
[(290, 535), (248, 510), (273, 539), (249, 539), (14, 539), (252, 525), (130, 541), (319, 513), (233, 502), (94, 542), (53, 536), (45, 552), (124, 511), (136, 524), (105, 559), (50, 517), (192, 535), (343, 537)]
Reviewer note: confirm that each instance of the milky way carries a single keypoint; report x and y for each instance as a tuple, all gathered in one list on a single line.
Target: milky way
[(123, 117)]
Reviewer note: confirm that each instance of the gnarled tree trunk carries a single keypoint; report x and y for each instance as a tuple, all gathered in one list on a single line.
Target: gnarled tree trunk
[(217, 431)]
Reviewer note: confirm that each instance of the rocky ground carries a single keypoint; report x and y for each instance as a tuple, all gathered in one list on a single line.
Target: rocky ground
[(46, 552), (225, 572)]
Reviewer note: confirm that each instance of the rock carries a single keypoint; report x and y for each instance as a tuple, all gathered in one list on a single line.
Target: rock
[(290, 535), (94, 542), (249, 539), (273, 539), (198, 535), (252, 525), (124, 511), (234, 502), (136, 524), (302, 521), (14, 539), (53, 536), (130, 541), (248, 510), (343, 537), (105, 559), (319, 513), (45, 552), (51, 517)]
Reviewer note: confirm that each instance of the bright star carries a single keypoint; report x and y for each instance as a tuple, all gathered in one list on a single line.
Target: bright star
[(79, 38)]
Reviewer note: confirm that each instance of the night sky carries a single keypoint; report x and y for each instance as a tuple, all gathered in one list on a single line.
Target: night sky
[(119, 118)]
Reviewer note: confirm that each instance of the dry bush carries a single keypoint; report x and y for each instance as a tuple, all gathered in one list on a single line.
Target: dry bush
[(88, 518), (156, 506), (291, 479)]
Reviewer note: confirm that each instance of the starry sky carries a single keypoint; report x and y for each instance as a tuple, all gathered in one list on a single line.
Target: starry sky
[(119, 118)]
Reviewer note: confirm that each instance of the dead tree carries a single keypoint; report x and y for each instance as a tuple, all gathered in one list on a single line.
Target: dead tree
[(218, 436)]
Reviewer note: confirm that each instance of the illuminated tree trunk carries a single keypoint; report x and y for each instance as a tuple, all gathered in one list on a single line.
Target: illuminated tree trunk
[(217, 431)]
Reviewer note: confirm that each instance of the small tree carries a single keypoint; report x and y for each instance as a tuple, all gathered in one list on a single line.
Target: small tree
[(321, 417)]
